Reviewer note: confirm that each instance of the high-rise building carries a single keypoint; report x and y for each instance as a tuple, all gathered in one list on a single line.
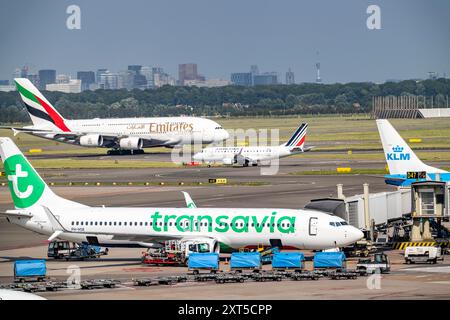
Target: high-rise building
[(65, 84), (242, 78), (135, 68), (290, 77), (109, 80), (99, 73), (148, 74), (267, 78), (188, 71), (46, 77), (87, 79), (139, 80)]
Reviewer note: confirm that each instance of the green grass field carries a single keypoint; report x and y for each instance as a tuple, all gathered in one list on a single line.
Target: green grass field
[(334, 134)]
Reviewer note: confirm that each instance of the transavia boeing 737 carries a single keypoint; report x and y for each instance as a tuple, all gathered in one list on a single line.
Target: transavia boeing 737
[(401, 159), (124, 134), (38, 209), (246, 156)]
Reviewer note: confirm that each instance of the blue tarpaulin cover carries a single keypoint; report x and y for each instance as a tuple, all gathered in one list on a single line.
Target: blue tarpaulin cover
[(245, 260), (288, 260), (203, 260), (329, 260), (30, 268)]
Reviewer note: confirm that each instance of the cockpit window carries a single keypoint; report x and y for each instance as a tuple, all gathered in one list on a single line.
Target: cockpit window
[(218, 128), (338, 223)]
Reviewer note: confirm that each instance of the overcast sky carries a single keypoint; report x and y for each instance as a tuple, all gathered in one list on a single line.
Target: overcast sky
[(228, 36)]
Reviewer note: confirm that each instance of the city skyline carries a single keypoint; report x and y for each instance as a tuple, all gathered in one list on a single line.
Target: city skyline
[(227, 37)]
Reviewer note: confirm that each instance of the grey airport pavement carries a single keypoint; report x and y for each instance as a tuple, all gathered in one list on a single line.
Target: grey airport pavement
[(283, 190)]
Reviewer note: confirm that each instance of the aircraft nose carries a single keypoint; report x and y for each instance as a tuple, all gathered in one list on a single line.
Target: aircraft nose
[(355, 234), (224, 135)]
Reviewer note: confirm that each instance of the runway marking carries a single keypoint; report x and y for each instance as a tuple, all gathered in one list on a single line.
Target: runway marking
[(440, 282), (445, 269)]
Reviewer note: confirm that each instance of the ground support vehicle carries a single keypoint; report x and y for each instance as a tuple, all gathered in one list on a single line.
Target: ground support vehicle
[(379, 263)]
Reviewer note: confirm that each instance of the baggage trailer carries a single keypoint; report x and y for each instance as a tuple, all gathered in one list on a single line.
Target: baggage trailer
[(240, 261), (263, 276), (344, 274), (230, 278), (324, 262), (206, 277), (145, 282), (297, 276), (171, 280), (29, 270), (208, 261), (284, 261), (98, 284)]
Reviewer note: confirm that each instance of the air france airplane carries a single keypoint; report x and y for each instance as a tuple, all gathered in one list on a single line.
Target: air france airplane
[(246, 156), (121, 133), (38, 209), (401, 159)]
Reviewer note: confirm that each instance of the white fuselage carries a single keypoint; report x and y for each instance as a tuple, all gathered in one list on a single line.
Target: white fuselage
[(233, 228), (254, 154), (161, 131)]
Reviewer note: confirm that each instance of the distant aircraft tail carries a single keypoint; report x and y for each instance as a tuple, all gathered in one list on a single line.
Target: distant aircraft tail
[(399, 156), (42, 113), (298, 138), (26, 186)]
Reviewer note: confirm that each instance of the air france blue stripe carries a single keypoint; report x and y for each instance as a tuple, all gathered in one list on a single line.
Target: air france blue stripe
[(299, 137), (297, 134)]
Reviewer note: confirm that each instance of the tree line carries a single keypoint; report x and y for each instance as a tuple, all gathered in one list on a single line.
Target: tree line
[(274, 100)]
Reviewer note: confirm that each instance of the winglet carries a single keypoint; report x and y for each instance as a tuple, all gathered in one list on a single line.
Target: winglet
[(189, 202)]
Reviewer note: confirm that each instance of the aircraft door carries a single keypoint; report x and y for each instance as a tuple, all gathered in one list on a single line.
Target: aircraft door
[(313, 226)]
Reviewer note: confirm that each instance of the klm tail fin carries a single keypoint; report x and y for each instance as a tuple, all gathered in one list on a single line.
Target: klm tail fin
[(298, 138), (26, 186), (42, 113), (399, 156)]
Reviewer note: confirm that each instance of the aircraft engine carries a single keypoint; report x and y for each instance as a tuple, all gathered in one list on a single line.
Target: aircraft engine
[(91, 140), (132, 143)]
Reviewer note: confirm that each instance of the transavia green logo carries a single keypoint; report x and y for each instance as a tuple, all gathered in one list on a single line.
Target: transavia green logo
[(222, 223), (25, 185)]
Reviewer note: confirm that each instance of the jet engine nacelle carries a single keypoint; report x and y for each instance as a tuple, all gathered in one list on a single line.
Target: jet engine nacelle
[(91, 140), (132, 143)]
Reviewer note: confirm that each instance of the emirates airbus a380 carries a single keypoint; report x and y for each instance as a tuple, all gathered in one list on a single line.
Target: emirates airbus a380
[(119, 133)]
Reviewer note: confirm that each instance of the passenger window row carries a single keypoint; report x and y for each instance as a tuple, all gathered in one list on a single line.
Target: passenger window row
[(185, 224)]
